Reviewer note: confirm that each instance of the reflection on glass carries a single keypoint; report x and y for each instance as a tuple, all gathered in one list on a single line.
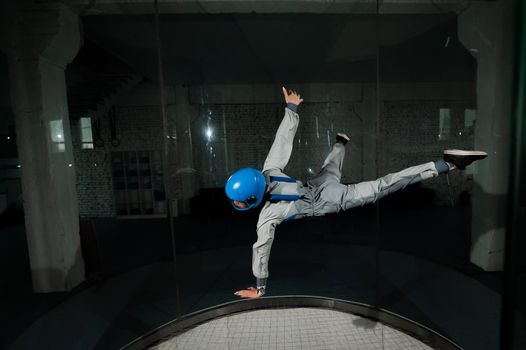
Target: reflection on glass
[(56, 131), (138, 183), (444, 124), (470, 115), (86, 135)]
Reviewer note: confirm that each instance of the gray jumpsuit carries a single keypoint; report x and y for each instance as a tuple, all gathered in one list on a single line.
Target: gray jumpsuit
[(319, 196)]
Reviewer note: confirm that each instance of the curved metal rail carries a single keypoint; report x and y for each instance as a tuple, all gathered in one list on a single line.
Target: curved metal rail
[(182, 324)]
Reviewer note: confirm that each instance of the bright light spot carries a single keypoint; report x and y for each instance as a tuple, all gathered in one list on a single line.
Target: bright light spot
[(8, 138), (70, 165), (460, 132), (95, 164), (18, 166), (56, 131), (310, 171), (236, 185), (209, 133)]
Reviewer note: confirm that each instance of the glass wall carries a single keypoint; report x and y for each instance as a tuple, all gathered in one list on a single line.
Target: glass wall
[(514, 310), (148, 108), (87, 260), (444, 83), (227, 74), (131, 227), (13, 244)]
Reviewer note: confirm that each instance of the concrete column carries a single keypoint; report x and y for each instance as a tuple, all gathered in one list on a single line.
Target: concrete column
[(42, 40), (485, 31)]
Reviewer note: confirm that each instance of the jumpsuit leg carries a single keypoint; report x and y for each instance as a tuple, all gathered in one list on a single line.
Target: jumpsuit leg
[(331, 171), (336, 197), (370, 191)]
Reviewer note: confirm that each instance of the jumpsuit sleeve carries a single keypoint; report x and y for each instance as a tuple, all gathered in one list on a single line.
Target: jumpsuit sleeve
[(281, 149), (261, 249)]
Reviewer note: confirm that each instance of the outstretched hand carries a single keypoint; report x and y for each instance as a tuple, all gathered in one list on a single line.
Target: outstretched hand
[(292, 96), (251, 293)]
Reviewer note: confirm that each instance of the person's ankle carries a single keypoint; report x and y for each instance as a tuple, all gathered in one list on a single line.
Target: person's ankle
[(443, 167)]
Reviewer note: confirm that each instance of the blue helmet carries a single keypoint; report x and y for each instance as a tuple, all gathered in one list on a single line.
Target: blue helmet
[(246, 185)]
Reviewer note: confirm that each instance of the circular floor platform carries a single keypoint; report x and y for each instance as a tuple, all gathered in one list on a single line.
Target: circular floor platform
[(293, 328)]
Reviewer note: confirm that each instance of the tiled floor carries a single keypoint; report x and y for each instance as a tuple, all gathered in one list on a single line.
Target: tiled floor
[(299, 328)]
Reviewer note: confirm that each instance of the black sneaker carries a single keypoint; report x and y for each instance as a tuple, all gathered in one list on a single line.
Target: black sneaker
[(461, 159), (342, 138)]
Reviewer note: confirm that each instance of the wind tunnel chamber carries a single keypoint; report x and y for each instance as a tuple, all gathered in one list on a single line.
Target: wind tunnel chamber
[(166, 99)]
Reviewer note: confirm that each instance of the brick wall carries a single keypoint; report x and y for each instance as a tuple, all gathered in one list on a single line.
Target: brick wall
[(138, 128), (242, 133), (94, 185), (409, 135)]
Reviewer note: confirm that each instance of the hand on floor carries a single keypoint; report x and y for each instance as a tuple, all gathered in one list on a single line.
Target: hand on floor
[(251, 293)]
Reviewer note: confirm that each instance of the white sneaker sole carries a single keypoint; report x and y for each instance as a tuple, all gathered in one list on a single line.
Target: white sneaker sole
[(344, 136), (459, 152)]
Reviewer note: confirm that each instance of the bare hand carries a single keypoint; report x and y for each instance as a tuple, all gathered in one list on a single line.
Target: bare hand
[(251, 293), (292, 97)]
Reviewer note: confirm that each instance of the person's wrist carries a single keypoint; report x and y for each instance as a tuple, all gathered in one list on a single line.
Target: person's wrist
[(261, 285), (292, 106), (261, 291), (261, 282)]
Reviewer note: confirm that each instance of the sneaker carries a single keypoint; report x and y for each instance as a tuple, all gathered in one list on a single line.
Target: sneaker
[(461, 159), (342, 138)]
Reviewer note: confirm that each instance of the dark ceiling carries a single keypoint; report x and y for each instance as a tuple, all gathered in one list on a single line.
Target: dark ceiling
[(292, 48)]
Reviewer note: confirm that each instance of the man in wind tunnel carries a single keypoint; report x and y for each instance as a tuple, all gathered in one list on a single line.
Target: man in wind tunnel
[(289, 199)]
